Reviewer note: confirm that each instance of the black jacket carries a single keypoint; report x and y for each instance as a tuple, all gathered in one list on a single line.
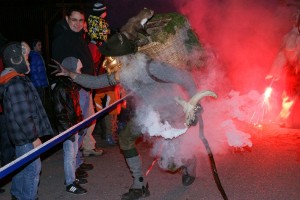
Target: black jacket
[(66, 104), (69, 43)]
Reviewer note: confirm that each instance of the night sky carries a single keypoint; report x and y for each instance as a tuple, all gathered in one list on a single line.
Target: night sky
[(245, 35), (22, 21), (28, 20)]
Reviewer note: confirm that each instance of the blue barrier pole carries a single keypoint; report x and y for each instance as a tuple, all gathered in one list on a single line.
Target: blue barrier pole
[(34, 153)]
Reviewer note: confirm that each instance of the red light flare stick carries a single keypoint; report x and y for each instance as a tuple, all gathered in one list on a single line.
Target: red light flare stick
[(155, 160), (151, 166), (267, 95)]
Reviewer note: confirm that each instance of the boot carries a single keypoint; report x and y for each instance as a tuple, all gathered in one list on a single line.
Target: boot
[(189, 172), (135, 194), (138, 188)]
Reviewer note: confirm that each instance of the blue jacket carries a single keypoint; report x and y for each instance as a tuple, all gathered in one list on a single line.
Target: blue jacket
[(38, 75)]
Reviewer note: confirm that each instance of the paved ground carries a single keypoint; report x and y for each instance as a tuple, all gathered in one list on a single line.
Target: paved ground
[(269, 171)]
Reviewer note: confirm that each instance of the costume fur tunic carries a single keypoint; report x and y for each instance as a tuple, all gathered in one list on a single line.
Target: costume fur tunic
[(156, 113), (158, 94)]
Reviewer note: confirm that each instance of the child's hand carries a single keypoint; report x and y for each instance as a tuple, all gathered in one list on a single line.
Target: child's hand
[(37, 143)]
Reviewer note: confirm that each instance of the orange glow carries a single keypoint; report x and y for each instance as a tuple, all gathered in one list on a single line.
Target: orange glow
[(287, 103)]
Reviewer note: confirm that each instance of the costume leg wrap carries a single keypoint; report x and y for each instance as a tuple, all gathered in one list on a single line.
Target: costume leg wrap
[(135, 166)]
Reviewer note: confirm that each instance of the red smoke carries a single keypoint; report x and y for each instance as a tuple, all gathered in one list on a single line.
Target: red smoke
[(245, 34)]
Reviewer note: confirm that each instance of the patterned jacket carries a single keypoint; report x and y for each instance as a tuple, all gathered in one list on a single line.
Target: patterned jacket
[(25, 116)]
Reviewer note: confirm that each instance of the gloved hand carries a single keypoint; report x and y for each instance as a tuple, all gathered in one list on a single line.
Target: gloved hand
[(192, 118)]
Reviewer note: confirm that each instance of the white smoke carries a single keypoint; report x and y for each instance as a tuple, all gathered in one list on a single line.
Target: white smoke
[(241, 38), (150, 122)]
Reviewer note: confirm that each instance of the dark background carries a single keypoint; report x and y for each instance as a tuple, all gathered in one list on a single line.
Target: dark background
[(36, 18)]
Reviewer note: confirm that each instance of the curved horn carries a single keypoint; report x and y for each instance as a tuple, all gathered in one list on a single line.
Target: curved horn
[(180, 101), (198, 96)]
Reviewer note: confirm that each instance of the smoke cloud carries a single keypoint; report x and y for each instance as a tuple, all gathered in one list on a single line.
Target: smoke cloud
[(241, 39)]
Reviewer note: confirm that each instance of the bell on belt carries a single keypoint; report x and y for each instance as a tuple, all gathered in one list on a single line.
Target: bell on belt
[(111, 65)]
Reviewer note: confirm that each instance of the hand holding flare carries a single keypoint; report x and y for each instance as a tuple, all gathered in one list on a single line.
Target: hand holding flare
[(191, 107)]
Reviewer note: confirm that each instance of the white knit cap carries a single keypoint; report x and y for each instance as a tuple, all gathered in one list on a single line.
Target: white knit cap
[(98, 7)]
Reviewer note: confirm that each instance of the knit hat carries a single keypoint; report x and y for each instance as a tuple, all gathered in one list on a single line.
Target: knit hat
[(13, 56), (118, 45), (70, 63), (98, 8)]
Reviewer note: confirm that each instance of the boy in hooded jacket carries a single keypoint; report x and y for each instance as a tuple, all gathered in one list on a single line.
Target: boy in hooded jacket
[(25, 117)]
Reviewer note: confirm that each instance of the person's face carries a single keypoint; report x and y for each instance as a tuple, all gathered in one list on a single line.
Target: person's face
[(103, 15), (75, 21), (25, 52), (38, 47), (79, 66)]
